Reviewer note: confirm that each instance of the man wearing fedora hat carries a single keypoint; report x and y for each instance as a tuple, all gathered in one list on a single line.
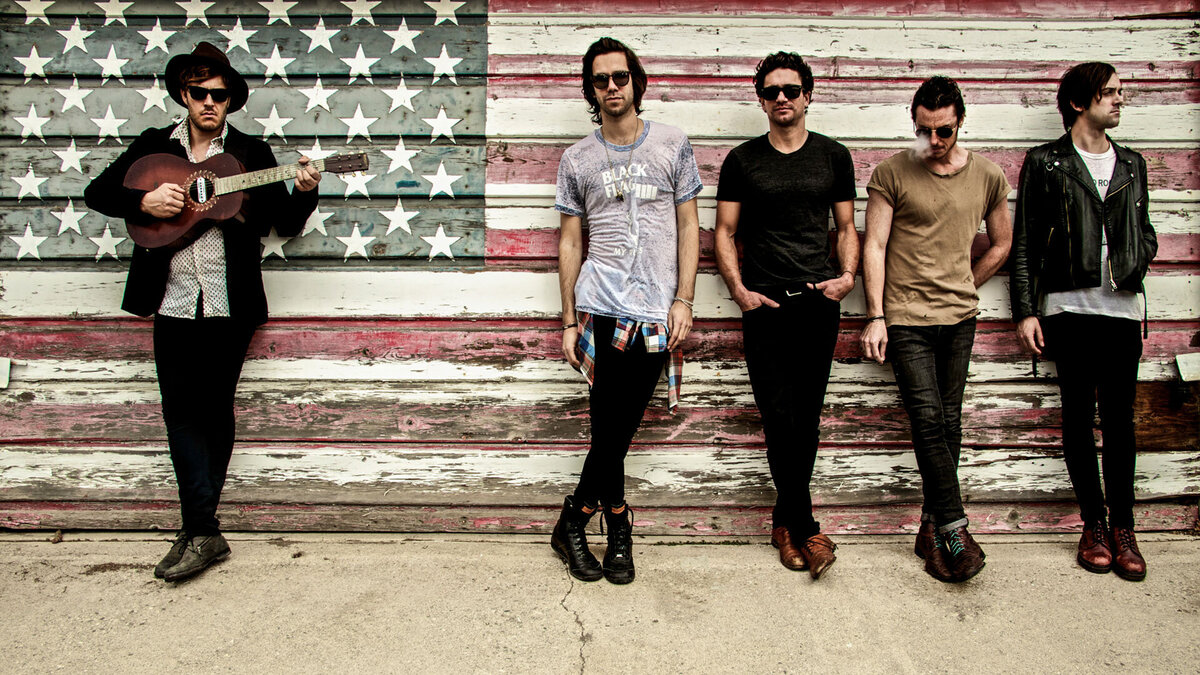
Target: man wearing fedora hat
[(207, 298)]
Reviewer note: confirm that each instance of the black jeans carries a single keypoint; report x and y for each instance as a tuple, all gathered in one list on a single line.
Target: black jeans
[(789, 351), (622, 388), (198, 363), (931, 364), (1097, 359)]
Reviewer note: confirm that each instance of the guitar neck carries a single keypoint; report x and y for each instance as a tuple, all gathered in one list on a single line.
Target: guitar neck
[(245, 181)]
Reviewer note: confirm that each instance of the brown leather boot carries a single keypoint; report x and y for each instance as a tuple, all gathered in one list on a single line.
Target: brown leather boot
[(1127, 561), (817, 552), (1095, 553), (789, 555), (965, 561)]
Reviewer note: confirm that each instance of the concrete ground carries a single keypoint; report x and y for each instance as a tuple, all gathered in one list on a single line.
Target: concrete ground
[(504, 603)]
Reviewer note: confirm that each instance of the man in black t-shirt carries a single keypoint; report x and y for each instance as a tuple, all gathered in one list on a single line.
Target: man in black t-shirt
[(775, 195)]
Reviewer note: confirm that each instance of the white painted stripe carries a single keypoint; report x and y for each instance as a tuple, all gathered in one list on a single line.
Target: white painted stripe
[(373, 292), (985, 123), (894, 39)]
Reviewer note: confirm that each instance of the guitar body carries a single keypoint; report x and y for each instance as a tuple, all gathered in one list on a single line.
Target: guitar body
[(202, 207)]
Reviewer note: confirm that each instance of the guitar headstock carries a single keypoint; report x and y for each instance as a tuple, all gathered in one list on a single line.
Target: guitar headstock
[(347, 163)]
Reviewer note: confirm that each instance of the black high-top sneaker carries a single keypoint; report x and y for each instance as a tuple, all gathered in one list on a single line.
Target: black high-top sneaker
[(569, 541)]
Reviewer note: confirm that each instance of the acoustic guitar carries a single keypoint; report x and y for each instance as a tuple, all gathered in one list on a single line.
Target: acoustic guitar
[(213, 191)]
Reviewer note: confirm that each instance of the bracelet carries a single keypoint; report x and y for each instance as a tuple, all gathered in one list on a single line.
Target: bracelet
[(875, 318), (570, 325), (688, 303)]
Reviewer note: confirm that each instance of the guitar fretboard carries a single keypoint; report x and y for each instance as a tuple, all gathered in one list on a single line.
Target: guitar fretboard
[(245, 181)]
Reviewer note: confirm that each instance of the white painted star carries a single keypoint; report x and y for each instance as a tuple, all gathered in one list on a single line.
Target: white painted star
[(28, 244), (106, 244), (357, 182), (156, 37), (319, 36), (30, 184), (439, 243), (75, 35), (445, 10), (315, 152), (398, 218), (273, 243), (70, 157), (441, 182), (317, 222), (358, 125), (318, 96), (360, 10), (360, 65), (68, 218), (35, 10), (73, 96), (237, 36), (402, 96), (443, 65), (401, 156), (402, 37), (277, 10), (276, 65), (195, 10), (114, 10), (111, 65), (441, 125), (110, 126), (34, 64), (31, 124), (156, 96), (356, 244), (273, 123)]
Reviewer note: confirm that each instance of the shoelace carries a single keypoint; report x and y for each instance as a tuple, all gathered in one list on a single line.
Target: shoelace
[(1099, 532), (1125, 539), (954, 543)]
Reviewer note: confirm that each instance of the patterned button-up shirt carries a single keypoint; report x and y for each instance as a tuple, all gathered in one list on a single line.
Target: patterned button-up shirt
[(197, 272), (655, 335)]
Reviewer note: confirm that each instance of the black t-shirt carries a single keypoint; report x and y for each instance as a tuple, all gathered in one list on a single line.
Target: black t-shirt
[(785, 205)]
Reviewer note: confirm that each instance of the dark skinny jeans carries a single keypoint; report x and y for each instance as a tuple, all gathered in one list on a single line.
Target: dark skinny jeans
[(931, 364), (1097, 360), (789, 352)]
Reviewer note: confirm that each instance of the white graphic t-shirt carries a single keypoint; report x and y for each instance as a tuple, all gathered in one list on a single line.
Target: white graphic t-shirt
[(627, 195)]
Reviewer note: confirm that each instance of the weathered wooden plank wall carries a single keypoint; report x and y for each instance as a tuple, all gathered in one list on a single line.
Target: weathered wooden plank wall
[(411, 379)]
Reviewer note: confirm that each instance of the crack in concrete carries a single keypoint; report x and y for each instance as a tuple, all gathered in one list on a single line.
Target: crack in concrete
[(579, 622)]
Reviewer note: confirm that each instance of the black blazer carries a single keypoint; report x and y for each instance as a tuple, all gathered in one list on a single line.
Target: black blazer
[(265, 207)]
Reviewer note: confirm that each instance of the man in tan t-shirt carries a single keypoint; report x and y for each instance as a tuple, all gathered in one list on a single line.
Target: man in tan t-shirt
[(923, 211)]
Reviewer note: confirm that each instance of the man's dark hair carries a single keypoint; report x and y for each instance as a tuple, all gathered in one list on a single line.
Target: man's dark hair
[(1081, 85), (939, 91), (788, 60), (637, 74), (196, 73)]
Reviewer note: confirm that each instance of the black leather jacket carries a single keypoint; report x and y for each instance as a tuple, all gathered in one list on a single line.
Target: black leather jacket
[(1056, 229)]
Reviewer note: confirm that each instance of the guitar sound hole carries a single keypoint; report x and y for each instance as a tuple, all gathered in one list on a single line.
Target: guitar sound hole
[(201, 191)]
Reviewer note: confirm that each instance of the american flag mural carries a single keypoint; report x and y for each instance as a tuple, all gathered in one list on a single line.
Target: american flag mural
[(410, 377)]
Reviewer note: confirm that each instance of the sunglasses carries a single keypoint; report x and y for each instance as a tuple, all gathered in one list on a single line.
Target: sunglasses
[(600, 80), (201, 93), (942, 132), (791, 91)]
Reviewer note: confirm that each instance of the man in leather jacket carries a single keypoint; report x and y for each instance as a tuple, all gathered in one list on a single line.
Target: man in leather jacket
[(1082, 242)]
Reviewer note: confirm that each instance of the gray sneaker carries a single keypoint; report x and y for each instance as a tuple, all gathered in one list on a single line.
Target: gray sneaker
[(173, 556), (200, 553)]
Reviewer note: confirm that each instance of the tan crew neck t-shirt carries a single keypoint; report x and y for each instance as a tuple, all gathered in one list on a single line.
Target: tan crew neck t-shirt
[(935, 218)]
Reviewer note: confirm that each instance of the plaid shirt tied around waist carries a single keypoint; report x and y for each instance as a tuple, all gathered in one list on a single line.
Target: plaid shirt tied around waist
[(655, 335)]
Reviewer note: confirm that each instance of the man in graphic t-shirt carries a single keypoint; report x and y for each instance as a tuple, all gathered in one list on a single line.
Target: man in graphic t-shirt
[(924, 208), (1082, 244), (628, 306), (775, 195)]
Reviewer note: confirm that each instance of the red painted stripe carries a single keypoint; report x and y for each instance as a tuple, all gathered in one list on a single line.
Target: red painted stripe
[(1169, 169), (1078, 9), (999, 70)]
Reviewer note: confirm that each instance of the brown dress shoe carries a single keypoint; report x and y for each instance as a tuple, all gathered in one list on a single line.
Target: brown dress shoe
[(1127, 559), (965, 561), (789, 555), (1095, 554), (925, 540), (817, 551)]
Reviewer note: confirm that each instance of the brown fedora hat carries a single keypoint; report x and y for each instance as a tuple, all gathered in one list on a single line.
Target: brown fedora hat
[(208, 55)]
